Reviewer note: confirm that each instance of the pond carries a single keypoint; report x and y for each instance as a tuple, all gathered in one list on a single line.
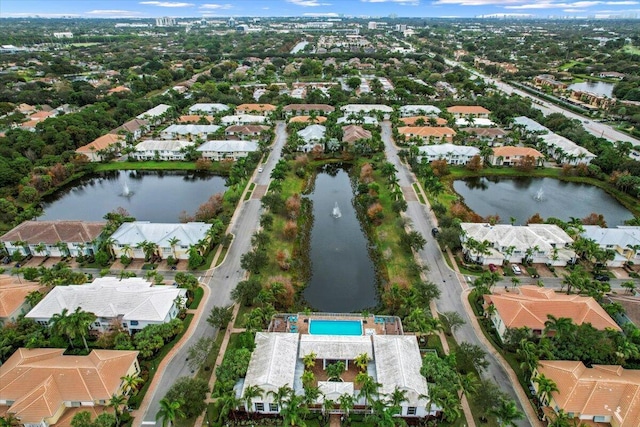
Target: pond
[(600, 88), (343, 276), (156, 196), (522, 197)]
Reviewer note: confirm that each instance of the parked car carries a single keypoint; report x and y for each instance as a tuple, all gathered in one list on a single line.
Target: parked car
[(492, 268), (434, 231), (516, 269), (260, 170), (602, 277)]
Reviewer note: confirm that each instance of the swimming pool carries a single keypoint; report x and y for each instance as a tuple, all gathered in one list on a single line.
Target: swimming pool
[(335, 327)]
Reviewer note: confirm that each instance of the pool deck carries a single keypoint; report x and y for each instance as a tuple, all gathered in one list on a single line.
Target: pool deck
[(371, 325)]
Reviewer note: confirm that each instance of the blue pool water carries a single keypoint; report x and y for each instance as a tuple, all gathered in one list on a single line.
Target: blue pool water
[(335, 327)]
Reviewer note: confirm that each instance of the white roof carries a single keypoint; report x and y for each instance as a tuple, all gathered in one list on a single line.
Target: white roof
[(367, 108), (191, 129), (366, 120), (448, 149), (132, 233), (332, 390), (133, 299), (619, 236), (477, 122), (243, 118), (398, 364), (566, 145), (156, 111), (339, 347), (163, 145), (273, 361), (529, 124), (426, 109), (229, 146), (520, 237), (312, 133), (208, 108)]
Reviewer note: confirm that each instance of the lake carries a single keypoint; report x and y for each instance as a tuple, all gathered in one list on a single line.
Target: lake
[(156, 196), (601, 88), (522, 197), (342, 273)]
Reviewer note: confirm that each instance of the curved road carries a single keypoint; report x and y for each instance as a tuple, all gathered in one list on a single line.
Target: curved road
[(220, 280), (439, 272)]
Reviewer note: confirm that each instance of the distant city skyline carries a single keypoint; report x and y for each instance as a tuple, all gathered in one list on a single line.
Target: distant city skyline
[(319, 8)]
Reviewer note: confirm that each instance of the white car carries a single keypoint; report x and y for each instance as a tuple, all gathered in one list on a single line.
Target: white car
[(260, 170), (516, 269)]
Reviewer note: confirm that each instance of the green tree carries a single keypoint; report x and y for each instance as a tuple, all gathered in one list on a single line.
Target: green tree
[(169, 411), (335, 370), (546, 386), (507, 413), (131, 383), (368, 386), (246, 291), (80, 419), (219, 317), (251, 392), (116, 403), (192, 390)]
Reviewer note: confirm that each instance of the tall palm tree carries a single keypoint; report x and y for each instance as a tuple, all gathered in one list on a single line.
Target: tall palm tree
[(294, 410), (250, 393), (116, 403), (169, 411), (347, 403), (368, 386), (174, 242), (559, 325), (80, 322), (309, 360), (527, 352), (131, 383), (61, 325), (229, 403), (281, 395), (507, 413), (9, 420), (546, 386), (362, 361), (397, 396), (335, 370)]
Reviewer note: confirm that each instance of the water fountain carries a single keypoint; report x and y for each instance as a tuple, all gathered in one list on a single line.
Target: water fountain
[(336, 211), (126, 191), (539, 195)]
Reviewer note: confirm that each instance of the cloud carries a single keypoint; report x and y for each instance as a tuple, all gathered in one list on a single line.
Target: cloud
[(113, 12), (308, 3), (321, 15), (215, 6), (167, 3)]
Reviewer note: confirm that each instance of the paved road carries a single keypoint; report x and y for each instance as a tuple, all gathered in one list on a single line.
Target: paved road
[(439, 272), (600, 130), (222, 279)]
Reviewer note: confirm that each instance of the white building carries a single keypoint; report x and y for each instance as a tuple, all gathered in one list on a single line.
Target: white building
[(357, 119), (161, 149), (219, 150), (208, 109), (189, 132), (63, 35), (131, 303), (170, 239), (243, 119), (366, 108), (419, 110), (477, 122), (623, 240), (539, 243), (156, 114), (313, 133), (453, 154)]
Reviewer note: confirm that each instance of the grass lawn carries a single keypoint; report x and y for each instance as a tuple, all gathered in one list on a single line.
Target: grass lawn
[(197, 297), (568, 65), (239, 323), (416, 188), (223, 253), (633, 50)]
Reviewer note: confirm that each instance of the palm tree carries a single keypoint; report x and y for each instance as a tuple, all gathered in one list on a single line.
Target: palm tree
[(40, 248), (335, 370), (63, 248), (347, 403), (9, 420), (229, 403), (131, 383), (546, 386), (361, 361), (311, 395), (169, 411), (527, 351), (397, 396), (250, 393), (507, 413), (280, 395), (327, 407), (309, 360), (559, 325), (116, 403), (60, 325), (81, 322), (294, 410), (384, 416), (174, 242), (368, 386)]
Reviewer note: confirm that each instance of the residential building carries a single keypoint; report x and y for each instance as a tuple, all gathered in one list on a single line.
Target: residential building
[(308, 119), (243, 119), (101, 148), (494, 244), (491, 136), (189, 132), (133, 128), (208, 109), (353, 133), (453, 154), (131, 303), (220, 150), (169, 239), (366, 108), (547, 80), (512, 156), (531, 307), (423, 121), (156, 114), (564, 150), (530, 125), (357, 120), (246, 131), (395, 363), (166, 149), (13, 294), (307, 109), (260, 109), (600, 394), (195, 118), (478, 122), (427, 134), (623, 240), (42, 387), (419, 110), (312, 133), (466, 111), (54, 238)]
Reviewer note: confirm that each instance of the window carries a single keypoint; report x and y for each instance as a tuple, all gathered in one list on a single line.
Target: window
[(259, 407), (134, 323), (411, 410), (96, 324), (124, 325), (273, 407)]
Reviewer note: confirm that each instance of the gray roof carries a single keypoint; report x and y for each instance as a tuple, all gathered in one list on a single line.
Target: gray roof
[(273, 361), (566, 145), (156, 111), (133, 298), (529, 124), (520, 237), (243, 118), (619, 236), (163, 145), (427, 109), (191, 129), (229, 146), (132, 233), (365, 120), (445, 149), (354, 108), (312, 133), (208, 108), (398, 364), (335, 346)]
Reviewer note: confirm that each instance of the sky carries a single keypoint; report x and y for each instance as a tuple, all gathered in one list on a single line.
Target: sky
[(318, 8)]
